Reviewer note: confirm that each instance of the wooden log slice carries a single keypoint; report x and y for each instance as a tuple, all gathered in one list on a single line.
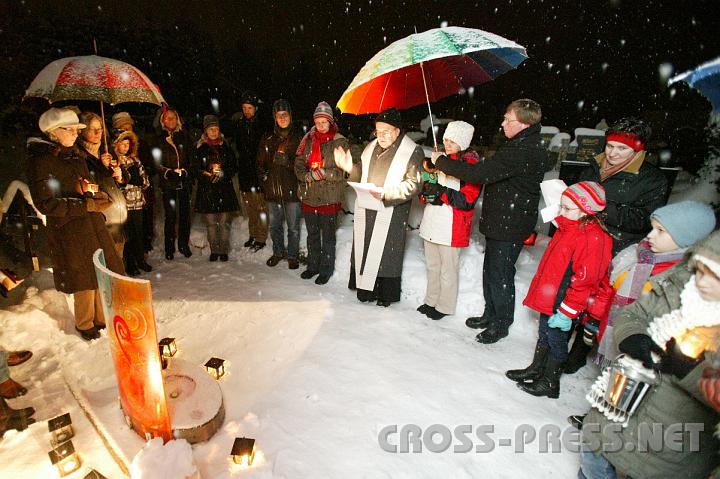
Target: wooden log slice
[(195, 401)]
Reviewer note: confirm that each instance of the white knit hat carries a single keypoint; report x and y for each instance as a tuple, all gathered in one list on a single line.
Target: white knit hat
[(57, 117), (459, 132)]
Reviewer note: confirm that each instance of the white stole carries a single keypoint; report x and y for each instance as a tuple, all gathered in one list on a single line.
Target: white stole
[(365, 276)]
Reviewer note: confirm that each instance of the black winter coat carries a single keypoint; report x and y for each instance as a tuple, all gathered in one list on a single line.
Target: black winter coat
[(631, 198), (218, 197), (247, 135), (512, 178), (276, 166), (54, 174), (174, 153)]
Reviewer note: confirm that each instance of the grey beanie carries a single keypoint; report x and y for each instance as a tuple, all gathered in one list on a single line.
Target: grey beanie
[(210, 120), (687, 222)]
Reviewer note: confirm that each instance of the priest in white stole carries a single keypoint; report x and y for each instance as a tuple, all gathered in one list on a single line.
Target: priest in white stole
[(393, 163)]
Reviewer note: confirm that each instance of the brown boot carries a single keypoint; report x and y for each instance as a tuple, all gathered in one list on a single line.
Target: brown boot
[(10, 389), (18, 357), (14, 418)]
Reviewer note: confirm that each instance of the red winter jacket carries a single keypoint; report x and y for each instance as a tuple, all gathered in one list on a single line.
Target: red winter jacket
[(450, 223), (589, 248)]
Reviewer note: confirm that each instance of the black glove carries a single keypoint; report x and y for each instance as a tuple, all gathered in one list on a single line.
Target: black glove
[(134, 177), (676, 363), (171, 175), (432, 193), (639, 346)]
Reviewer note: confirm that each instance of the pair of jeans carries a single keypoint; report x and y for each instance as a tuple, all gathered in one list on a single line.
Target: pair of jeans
[(288, 212), (321, 242), (218, 232), (499, 281), (177, 211), (594, 466)]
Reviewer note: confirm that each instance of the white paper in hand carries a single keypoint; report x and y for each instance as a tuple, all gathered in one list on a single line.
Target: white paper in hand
[(551, 190), (364, 198)]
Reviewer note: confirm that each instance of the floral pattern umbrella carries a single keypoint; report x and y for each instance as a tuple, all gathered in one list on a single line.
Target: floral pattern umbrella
[(93, 77), (705, 79), (428, 66)]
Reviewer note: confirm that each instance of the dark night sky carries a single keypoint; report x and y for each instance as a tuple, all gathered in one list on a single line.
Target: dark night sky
[(588, 59)]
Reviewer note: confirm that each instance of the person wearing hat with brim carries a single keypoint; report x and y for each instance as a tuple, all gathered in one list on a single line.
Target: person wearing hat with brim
[(392, 164), (248, 130), (214, 166), (571, 272), (275, 169), (321, 191), (511, 194), (59, 182)]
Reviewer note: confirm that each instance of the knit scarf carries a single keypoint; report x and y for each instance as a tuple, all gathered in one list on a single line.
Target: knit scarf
[(314, 159), (607, 170), (633, 279)]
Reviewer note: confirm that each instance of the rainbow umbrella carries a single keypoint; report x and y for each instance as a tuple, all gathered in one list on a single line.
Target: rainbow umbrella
[(428, 66), (705, 79)]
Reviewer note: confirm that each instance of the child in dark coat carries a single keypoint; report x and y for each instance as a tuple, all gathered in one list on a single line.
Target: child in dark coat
[(570, 273)]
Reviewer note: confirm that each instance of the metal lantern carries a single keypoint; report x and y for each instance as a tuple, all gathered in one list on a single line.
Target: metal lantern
[(216, 367), (65, 459), (168, 348), (243, 451), (60, 429)]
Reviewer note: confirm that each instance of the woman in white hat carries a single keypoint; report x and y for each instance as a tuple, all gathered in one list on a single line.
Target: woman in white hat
[(61, 189)]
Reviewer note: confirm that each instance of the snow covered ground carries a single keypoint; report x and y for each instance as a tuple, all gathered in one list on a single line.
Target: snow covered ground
[(314, 375)]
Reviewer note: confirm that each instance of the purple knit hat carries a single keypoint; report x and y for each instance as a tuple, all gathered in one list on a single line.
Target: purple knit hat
[(588, 195)]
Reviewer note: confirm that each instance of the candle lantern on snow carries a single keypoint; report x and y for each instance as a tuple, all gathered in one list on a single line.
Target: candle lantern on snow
[(216, 367), (65, 459), (168, 348), (60, 429), (243, 451)]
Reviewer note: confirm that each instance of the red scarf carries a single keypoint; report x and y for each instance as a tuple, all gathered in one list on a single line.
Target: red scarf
[(314, 159)]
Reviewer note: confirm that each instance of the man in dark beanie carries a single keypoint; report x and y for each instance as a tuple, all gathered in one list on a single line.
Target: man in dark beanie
[(392, 163), (509, 212), (275, 166), (247, 132)]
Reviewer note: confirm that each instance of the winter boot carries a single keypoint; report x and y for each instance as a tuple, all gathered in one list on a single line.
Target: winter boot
[(14, 418), (535, 369), (549, 383), (578, 354)]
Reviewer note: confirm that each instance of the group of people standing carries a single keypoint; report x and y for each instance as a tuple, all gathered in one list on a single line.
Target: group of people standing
[(284, 176)]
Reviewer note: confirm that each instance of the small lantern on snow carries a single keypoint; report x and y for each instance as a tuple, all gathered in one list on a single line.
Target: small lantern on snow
[(60, 429), (216, 367), (243, 451), (65, 459), (168, 348)]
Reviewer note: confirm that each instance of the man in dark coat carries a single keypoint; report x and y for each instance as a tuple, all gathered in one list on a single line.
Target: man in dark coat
[(392, 163), (57, 175), (509, 210), (248, 129), (633, 187)]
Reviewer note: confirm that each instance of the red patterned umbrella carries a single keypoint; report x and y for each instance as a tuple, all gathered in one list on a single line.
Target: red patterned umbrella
[(92, 77)]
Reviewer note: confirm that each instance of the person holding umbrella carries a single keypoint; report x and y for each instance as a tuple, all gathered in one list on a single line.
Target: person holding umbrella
[(512, 180), (61, 188), (175, 182), (392, 162)]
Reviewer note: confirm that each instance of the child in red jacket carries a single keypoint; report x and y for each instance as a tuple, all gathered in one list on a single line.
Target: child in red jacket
[(570, 273)]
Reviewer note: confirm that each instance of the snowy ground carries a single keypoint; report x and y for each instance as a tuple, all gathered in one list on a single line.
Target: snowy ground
[(314, 375)]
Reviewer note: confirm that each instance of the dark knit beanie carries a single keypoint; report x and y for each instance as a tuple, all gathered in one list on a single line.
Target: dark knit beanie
[(390, 116), (281, 105), (324, 110), (250, 98), (210, 120)]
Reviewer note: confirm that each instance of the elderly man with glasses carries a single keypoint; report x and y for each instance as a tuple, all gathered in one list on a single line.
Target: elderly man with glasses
[(392, 163)]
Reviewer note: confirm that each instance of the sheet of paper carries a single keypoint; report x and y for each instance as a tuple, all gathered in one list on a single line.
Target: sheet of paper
[(364, 198), (551, 190)]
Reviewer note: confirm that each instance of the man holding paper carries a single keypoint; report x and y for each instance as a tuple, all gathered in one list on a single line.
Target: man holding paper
[(389, 172)]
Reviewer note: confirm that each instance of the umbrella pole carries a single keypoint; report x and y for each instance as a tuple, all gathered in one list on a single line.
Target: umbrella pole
[(427, 97), (102, 108)]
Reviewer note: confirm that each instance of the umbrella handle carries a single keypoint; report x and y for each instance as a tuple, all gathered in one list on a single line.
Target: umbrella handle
[(102, 115), (427, 97)]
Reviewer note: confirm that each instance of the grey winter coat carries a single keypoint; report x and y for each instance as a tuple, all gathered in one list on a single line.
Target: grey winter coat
[(671, 401), (330, 189)]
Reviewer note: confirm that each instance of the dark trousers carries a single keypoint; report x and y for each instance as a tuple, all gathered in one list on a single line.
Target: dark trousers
[(499, 280), (134, 251), (556, 338), (177, 212), (148, 218), (386, 289), (321, 242)]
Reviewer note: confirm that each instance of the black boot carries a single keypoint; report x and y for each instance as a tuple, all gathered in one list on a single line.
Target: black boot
[(535, 369), (549, 383), (578, 353)]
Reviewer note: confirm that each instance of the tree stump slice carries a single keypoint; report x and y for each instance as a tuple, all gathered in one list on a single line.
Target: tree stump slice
[(195, 401)]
